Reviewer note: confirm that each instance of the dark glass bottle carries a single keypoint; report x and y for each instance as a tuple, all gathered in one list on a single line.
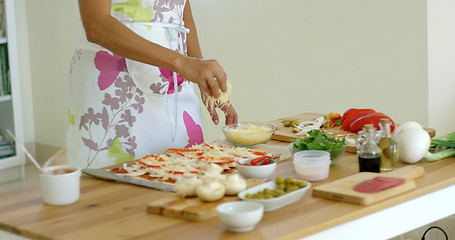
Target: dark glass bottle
[(369, 151)]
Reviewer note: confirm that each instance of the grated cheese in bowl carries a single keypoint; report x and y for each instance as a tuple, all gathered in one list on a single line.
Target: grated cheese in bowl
[(249, 134)]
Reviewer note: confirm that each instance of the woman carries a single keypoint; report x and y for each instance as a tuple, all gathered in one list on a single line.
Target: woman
[(130, 85)]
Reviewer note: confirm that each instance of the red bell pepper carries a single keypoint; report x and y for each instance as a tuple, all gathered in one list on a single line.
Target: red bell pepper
[(353, 114), (372, 118)]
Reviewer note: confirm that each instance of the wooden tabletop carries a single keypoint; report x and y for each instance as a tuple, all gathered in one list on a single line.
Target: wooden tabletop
[(109, 210)]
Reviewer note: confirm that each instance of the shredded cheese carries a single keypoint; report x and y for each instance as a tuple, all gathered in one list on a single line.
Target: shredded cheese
[(249, 134), (222, 100)]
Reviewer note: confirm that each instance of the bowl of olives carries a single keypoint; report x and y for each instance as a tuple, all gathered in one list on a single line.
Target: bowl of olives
[(276, 194)]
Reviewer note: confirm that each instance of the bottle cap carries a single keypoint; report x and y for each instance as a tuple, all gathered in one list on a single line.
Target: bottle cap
[(368, 126), (384, 120)]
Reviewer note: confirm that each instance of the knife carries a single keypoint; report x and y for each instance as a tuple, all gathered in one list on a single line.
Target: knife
[(109, 176)]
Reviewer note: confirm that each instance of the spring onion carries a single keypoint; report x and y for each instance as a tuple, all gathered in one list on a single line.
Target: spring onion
[(444, 148)]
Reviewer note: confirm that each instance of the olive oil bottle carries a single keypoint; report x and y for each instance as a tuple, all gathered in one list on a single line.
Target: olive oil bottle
[(389, 156)]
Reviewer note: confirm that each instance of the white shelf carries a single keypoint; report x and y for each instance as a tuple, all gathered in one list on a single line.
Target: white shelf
[(9, 162), (5, 98), (11, 116)]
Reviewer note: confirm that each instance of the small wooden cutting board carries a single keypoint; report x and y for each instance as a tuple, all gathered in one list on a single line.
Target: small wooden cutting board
[(192, 209), (343, 189)]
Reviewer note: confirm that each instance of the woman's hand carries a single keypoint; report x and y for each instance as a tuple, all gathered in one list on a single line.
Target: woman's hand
[(207, 74), (229, 111)]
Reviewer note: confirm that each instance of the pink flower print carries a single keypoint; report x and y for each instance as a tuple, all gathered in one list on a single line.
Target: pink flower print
[(109, 66), (168, 75), (195, 135)]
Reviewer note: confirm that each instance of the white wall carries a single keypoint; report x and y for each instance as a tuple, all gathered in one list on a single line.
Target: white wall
[(319, 56), (54, 29), (441, 67), (283, 59)]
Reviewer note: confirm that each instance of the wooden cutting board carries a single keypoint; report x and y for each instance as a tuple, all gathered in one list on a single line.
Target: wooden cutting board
[(343, 189), (285, 134), (192, 209)]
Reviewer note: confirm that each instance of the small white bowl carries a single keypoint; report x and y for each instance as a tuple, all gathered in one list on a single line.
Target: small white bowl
[(277, 202), (240, 216), (260, 172)]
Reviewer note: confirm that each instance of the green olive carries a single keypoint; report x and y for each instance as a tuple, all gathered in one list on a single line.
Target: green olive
[(279, 180), (283, 186), (288, 180)]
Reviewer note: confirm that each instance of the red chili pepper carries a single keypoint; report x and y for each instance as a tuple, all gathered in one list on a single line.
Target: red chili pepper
[(181, 151), (148, 165), (224, 162), (155, 157), (266, 161), (257, 160), (257, 152)]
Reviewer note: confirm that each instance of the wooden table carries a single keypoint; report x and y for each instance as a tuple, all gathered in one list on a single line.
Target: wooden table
[(108, 210)]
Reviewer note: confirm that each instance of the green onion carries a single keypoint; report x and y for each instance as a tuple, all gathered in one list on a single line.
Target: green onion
[(444, 148)]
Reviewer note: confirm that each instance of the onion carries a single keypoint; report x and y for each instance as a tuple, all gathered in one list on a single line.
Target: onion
[(413, 143), (407, 125)]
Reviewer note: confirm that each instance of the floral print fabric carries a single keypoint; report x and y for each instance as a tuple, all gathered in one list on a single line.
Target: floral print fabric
[(119, 112)]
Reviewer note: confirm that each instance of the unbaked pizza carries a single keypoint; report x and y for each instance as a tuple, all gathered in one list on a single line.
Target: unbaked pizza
[(170, 166)]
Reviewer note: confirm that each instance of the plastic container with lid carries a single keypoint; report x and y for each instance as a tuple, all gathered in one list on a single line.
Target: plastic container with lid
[(312, 165)]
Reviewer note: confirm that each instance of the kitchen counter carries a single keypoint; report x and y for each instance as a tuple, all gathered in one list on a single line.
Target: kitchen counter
[(109, 210)]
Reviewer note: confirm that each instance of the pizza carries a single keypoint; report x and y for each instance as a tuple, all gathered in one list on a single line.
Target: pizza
[(169, 167)]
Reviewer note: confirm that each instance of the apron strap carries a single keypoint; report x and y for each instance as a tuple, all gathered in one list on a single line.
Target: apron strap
[(173, 31)]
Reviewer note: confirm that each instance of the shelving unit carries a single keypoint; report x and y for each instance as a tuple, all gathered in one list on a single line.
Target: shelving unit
[(11, 168)]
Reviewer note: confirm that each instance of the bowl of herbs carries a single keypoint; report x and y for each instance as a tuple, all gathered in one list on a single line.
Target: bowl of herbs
[(320, 140)]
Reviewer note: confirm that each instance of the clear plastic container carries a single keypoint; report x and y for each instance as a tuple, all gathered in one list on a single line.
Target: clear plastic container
[(312, 165)]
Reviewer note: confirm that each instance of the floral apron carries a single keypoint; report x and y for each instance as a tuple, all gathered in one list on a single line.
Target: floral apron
[(119, 109)]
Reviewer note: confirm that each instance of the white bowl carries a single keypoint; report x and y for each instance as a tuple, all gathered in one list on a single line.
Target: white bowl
[(240, 216), (277, 202), (260, 172)]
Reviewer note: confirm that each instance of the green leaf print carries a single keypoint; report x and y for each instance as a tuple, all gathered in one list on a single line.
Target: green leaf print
[(116, 151), (134, 9), (70, 117)]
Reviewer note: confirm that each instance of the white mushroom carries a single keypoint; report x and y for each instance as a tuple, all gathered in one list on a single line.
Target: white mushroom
[(186, 187), (214, 171), (210, 190), (234, 184)]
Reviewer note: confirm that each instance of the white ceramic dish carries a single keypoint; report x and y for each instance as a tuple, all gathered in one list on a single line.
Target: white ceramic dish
[(260, 172), (240, 216), (274, 203)]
